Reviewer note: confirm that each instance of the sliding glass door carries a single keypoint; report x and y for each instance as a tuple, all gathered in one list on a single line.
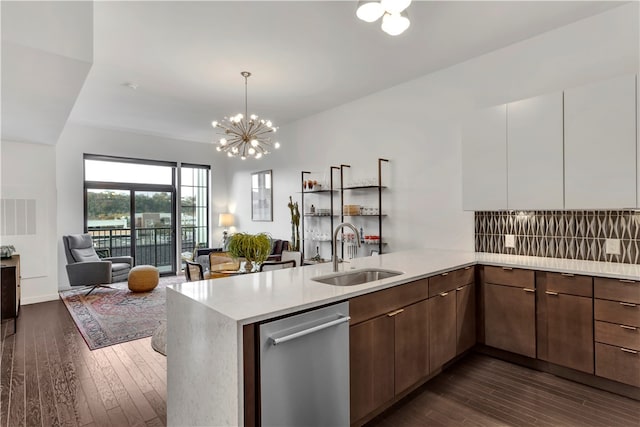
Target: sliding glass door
[(130, 209), (154, 227)]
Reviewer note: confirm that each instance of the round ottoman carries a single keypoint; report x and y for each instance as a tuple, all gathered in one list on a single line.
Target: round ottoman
[(143, 278)]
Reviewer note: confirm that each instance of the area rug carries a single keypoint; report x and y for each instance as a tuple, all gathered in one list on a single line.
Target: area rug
[(113, 316)]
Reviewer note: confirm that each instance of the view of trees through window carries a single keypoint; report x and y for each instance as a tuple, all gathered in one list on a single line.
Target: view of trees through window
[(113, 205)]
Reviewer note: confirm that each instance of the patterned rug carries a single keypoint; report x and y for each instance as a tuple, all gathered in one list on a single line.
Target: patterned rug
[(112, 316)]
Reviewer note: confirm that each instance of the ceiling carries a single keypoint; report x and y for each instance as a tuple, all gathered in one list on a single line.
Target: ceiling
[(305, 56)]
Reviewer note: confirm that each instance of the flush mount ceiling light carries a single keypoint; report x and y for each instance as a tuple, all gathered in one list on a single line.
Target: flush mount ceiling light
[(394, 16), (243, 135)]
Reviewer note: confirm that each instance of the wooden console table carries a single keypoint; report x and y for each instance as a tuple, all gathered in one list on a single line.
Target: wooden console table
[(10, 289)]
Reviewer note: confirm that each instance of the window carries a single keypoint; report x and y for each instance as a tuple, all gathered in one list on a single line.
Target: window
[(131, 207), (194, 207)]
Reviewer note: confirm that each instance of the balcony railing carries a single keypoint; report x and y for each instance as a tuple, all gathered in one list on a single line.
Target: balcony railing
[(153, 244)]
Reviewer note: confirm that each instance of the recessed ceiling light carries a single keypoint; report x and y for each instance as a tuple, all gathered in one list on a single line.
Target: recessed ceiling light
[(131, 85)]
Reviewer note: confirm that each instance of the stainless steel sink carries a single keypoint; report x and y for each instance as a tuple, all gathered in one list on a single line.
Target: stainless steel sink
[(356, 277)]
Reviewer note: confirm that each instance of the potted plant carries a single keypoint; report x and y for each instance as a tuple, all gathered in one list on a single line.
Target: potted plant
[(254, 248)]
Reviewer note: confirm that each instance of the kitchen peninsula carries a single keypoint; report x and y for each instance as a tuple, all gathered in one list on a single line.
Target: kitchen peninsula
[(207, 320)]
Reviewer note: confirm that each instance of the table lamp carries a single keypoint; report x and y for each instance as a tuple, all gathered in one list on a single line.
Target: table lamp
[(225, 220)]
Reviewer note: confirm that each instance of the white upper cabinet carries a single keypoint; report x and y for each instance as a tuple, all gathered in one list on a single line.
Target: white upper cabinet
[(534, 152), (600, 145), (484, 160)]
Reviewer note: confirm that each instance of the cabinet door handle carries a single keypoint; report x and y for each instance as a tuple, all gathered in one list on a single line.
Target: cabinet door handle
[(567, 274), (467, 268), (626, 350), (551, 293), (627, 281), (528, 290), (628, 304), (507, 268), (393, 313), (444, 294), (460, 288), (444, 274), (631, 328)]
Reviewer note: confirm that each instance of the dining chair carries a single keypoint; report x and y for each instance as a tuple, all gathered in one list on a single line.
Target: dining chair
[(277, 265), (292, 255), (222, 261), (193, 271)]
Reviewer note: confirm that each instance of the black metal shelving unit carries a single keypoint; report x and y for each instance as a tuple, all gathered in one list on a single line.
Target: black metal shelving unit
[(378, 187), (331, 191)]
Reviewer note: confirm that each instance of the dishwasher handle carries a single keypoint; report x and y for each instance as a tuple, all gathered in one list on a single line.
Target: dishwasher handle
[(341, 319)]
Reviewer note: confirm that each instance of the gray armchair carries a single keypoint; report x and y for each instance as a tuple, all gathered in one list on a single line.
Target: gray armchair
[(85, 268)]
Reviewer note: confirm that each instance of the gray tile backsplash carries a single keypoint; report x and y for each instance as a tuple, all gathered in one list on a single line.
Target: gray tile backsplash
[(561, 234)]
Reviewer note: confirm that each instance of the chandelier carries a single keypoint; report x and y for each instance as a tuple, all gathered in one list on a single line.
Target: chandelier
[(394, 16), (243, 135)]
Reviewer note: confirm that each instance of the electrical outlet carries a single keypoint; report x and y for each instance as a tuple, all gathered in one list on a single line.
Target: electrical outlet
[(509, 241), (612, 246)]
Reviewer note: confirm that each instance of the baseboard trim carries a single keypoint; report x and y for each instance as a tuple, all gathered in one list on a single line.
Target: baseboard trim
[(40, 298)]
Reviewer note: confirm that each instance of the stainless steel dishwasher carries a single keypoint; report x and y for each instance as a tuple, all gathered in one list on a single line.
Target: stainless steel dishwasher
[(304, 369)]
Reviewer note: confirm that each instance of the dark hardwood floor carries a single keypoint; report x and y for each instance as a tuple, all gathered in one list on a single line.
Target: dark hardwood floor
[(49, 377), (483, 391)]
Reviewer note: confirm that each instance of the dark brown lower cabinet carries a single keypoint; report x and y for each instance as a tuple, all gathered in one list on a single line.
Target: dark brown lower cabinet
[(565, 320), (411, 345), (465, 317), (569, 331), (618, 363), (442, 333), (371, 361), (510, 318)]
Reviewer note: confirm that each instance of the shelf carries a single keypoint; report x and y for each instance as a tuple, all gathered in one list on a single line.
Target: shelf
[(318, 191), (376, 215), (365, 187), (318, 215)]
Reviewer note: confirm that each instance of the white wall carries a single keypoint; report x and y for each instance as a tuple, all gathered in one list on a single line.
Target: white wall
[(29, 172), (77, 140), (416, 126)]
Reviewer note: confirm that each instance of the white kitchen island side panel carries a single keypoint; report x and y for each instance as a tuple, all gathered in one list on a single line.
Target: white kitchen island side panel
[(203, 365)]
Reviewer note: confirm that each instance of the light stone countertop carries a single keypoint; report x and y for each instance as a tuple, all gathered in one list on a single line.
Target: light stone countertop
[(254, 297)]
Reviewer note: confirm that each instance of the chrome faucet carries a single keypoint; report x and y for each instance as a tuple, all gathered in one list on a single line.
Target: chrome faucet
[(334, 241)]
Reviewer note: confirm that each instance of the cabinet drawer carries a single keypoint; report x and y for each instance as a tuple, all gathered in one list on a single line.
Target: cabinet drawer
[(451, 280), (509, 276), (618, 335), (377, 303), (617, 290), (569, 284), (623, 313), (618, 364)]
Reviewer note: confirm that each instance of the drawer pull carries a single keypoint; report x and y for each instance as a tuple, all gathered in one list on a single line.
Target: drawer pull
[(507, 268), (628, 304), (468, 268), (444, 294), (444, 274), (631, 328), (551, 293), (528, 290), (393, 313), (567, 274), (460, 288), (627, 281), (626, 350)]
